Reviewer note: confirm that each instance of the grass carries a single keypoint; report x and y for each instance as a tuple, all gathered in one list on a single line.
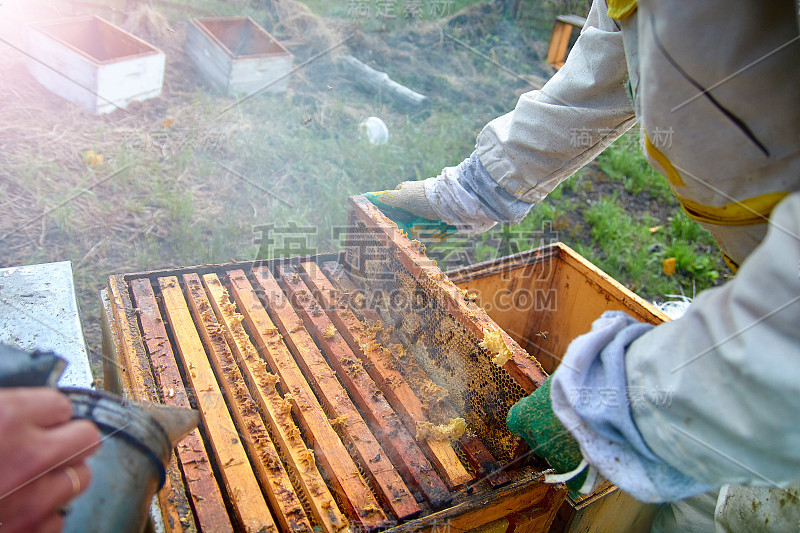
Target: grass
[(621, 163)]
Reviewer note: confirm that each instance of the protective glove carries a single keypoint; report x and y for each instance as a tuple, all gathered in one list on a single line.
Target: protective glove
[(409, 208), (532, 418)]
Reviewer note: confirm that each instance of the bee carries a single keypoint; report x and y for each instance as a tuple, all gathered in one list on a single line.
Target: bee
[(307, 121), (471, 296), (543, 334)]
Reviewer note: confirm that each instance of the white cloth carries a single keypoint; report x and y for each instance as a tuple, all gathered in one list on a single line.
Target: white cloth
[(468, 198), (591, 397), (733, 509), (524, 153), (731, 369), (456, 206), (757, 509)]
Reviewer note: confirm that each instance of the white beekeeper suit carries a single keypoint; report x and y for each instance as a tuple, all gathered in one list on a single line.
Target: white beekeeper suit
[(716, 89)]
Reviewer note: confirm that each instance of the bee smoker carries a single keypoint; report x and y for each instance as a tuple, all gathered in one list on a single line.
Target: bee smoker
[(129, 467), (137, 438)]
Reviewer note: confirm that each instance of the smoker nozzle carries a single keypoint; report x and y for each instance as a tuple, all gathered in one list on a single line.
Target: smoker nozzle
[(21, 368)]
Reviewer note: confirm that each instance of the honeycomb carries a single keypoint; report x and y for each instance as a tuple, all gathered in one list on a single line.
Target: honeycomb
[(481, 391)]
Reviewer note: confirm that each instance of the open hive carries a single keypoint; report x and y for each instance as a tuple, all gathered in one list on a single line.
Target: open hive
[(237, 56), (360, 392), (93, 63)]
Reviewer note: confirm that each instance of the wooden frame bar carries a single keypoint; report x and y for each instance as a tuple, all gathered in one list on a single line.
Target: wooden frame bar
[(268, 467), (378, 363), (135, 372), (192, 456), (387, 483), (275, 409), (396, 439), (243, 489), (351, 489), (524, 494), (559, 39)]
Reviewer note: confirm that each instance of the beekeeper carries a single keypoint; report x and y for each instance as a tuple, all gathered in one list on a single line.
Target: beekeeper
[(715, 87)]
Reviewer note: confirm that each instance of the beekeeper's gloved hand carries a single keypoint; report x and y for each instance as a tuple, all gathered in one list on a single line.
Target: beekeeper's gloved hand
[(464, 198), (408, 207), (532, 418)]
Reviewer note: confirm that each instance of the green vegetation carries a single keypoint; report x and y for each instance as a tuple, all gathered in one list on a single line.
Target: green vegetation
[(621, 162), (387, 11)]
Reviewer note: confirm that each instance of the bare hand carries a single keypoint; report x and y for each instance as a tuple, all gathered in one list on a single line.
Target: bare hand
[(42, 458)]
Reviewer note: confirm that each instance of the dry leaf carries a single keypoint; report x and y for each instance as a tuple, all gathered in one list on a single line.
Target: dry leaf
[(669, 266)]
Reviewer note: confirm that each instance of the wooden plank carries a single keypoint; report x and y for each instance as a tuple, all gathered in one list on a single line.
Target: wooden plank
[(252, 75), (269, 469), (372, 459), (483, 462), (621, 298), (275, 410), (176, 511), (210, 511), (524, 369), (483, 508), (516, 298), (350, 488), (478, 456), (611, 510), (111, 348), (520, 297), (397, 441), (539, 518), (574, 20), (559, 42), (208, 57), (549, 282), (378, 363), (242, 487), (135, 363)]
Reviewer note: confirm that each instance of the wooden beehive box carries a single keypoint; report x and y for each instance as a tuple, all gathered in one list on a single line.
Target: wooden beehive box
[(315, 375), (309, 408), (93, 63), (237, 56), (544, 298)]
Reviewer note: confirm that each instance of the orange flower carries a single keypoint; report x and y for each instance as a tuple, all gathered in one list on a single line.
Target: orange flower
[(93, 159)]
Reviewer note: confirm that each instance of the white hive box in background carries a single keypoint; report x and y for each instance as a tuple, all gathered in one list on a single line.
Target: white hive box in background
[(94, 63), (237, 56)]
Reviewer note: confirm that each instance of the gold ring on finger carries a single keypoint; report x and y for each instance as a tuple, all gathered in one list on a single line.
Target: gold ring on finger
[(73, 477)]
